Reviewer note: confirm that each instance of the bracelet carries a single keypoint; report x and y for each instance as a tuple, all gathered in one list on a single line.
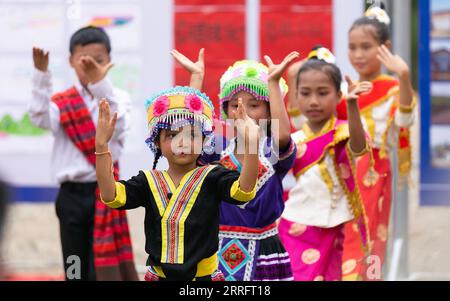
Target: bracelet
[(295, 112), (104, 153), (366, 149), (408, 109)]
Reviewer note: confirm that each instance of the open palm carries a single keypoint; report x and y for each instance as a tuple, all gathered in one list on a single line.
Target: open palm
[(106, 124), (276, 71), (40, 59), (198, 67), (394, 63)]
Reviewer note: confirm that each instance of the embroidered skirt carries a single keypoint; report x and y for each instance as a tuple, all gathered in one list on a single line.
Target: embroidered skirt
[(253, 254)]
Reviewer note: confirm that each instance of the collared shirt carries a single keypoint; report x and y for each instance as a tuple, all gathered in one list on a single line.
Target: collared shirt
[(68, 163)]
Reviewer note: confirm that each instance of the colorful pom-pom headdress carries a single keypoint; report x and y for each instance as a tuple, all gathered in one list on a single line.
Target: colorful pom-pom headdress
[(248, 76), (177, 107)]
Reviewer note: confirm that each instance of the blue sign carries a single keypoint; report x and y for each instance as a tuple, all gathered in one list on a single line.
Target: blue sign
[(434, 86)]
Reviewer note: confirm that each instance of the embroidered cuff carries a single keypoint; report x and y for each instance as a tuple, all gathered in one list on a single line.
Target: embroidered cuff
[(239, 195), (288, 152), (408, 109), (121, 197), (295, 112)]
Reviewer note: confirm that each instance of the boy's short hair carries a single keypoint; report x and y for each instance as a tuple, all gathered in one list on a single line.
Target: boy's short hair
[(89, 35)]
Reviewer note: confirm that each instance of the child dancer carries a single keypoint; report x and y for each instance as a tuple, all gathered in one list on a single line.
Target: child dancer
[(182, 203), (387, 112), (85, 222), (325, 196), (250, 248)]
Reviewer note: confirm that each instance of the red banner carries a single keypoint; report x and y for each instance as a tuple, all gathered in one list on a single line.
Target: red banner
[(217, 26), (295, 25)]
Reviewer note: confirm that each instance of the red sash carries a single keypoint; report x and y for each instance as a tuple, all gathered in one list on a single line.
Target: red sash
[(385, 87)]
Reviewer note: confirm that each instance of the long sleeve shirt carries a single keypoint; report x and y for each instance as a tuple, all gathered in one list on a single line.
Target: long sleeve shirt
[(68, 163)]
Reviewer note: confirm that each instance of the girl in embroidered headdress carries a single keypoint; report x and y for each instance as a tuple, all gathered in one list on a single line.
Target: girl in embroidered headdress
[(387, 113), (181, 203), (250, 248), (325, 196)]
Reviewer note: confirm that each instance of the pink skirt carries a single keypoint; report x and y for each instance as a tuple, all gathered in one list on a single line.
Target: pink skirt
[(315, 253)]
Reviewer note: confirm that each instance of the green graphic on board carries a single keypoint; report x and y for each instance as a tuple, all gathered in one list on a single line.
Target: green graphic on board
[(23, 127)]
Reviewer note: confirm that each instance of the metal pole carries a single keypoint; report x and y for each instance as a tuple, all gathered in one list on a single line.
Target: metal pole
[(252, 35), (398, 265)]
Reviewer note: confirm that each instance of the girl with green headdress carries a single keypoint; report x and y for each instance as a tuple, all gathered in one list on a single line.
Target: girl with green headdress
[(250, 248)]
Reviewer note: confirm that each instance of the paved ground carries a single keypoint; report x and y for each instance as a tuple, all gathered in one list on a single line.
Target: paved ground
[(32, 243)]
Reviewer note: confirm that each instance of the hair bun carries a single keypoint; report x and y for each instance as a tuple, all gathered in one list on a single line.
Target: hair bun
[(323, 54), (378, 13)]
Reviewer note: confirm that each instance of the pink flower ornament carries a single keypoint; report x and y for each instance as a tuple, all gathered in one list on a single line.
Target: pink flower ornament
[(194, 104), (161, 106)]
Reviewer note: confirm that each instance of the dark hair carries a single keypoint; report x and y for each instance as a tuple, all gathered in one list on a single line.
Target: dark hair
[(331, 70), (90, 35), (382, 32), (157, 156)]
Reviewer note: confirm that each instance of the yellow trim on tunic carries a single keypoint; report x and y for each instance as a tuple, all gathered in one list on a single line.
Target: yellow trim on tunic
[(188, 208), (169, 180), (156, 196), (326, 177), (205, 267), (186, 212), (121, 197), (328, 126), (240, 195), (164, 218)]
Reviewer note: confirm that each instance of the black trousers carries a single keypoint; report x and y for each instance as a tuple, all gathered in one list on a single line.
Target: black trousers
[(75, 208)]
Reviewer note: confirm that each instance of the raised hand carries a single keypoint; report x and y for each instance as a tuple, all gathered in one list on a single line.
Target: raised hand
[(293, 69), (197, 68), (276, 71), (40, 59), (94, 71), (356, 89), (394, 63), (105, 125), (246, 127)]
